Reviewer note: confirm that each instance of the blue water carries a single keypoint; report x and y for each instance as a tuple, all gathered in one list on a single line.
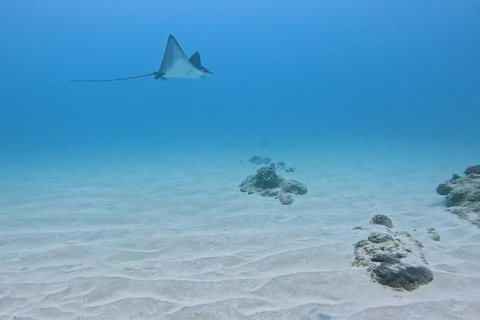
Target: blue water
[(303, 72), (112, 192)]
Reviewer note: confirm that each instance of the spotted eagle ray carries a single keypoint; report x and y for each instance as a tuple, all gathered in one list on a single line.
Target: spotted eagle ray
[(174, 65)]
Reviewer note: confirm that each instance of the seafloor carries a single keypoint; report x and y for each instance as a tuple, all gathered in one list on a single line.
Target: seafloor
[(169, 235)]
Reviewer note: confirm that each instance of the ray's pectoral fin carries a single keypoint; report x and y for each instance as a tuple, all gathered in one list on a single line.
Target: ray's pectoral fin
[(160, 75), (195, 60)]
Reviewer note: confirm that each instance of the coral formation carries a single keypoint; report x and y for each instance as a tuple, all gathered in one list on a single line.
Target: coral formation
[(472, 169), (463, 194), (268, 184), (382, 220), (392, 258), (266, 178)]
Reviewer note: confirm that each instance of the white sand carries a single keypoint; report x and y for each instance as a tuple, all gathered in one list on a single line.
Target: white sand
[(172, 237)]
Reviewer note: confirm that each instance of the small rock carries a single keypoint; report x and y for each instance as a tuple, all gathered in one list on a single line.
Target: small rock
[(443, 189), (433, 234), (293, 186), (388, 257), (256, 159), (285, 199), (269, 193), (259, 160), (402, 276), (382, 220)]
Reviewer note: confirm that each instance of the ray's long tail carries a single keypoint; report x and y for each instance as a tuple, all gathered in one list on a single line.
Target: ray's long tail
[(118, 79)]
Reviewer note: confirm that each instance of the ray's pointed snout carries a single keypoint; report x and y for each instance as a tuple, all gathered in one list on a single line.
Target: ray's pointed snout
[(206, 73)]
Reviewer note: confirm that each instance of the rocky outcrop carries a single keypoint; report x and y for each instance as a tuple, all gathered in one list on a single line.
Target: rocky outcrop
[(260, 160), (266, 178), (267, 161), (268, 184), (293, 186), (472, 169), (395, 274), (393, 258), (463, 194)]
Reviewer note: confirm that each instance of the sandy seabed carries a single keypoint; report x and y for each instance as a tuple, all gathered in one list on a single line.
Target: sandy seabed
[(174, 238)]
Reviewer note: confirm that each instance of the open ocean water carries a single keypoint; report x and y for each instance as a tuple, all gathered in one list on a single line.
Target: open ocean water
[(382, 95)]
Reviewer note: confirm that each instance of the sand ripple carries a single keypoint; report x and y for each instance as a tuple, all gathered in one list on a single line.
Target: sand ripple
[(148, 246)]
